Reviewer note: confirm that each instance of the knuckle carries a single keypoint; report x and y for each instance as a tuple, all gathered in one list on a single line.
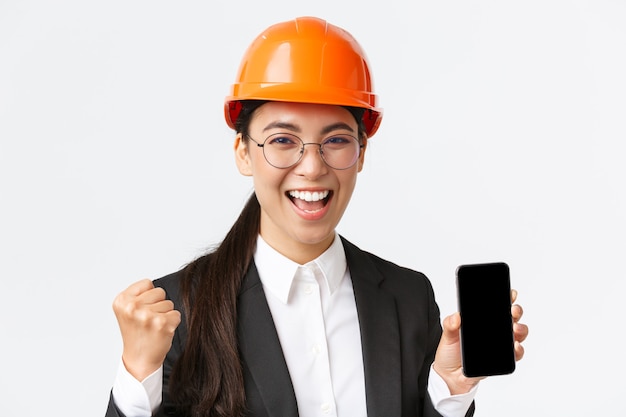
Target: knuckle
[(177, 318), (174, 319), (131, 308), (123, 307), (162, 324)]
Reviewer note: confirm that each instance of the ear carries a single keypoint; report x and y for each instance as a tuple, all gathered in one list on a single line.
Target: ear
[(361, 160), (242, 156)]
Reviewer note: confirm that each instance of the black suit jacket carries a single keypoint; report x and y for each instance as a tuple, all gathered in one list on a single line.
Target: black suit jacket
[(400, 331)]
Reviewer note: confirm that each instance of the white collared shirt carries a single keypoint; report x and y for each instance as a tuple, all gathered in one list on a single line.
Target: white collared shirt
[(315, 315), (314, 311)]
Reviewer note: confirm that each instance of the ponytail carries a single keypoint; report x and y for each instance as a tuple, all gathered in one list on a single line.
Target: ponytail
[(207, 379)]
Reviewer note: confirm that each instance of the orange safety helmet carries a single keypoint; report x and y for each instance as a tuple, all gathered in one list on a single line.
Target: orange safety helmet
[(305, 60)]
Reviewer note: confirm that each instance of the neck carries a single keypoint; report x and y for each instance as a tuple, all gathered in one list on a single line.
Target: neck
[(298, 251)]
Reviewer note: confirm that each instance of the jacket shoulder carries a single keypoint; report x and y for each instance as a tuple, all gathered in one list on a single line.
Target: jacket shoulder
[(385, 267), (171, 284)]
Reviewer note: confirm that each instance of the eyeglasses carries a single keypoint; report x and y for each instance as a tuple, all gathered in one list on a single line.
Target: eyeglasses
[(284, 150)]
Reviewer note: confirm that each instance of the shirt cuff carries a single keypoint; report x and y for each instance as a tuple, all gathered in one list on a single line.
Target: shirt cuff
[(446, 404), (134, 398)]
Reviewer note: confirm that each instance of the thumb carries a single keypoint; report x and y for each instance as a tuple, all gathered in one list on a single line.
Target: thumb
[(451, 326), (448, 362)]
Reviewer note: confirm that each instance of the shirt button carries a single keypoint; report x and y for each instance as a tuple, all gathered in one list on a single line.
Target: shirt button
[(317, 349), (308, 289), (325, 408)]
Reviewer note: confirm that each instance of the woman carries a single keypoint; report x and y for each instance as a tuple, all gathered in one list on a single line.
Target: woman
[(286, 317)]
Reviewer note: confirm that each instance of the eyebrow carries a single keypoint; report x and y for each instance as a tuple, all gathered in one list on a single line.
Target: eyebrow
[(296, 128)]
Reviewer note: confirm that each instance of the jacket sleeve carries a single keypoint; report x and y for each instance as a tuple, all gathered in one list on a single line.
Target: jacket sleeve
[(429, 409), (434, 337)]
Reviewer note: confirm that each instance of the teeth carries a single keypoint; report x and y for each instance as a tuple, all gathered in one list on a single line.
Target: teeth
[(308, 195)]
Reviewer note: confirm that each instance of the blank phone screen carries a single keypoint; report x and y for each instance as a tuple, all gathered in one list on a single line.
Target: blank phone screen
[(484, 295)]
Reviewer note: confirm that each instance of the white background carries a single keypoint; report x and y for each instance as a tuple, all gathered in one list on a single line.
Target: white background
[(502, 140)]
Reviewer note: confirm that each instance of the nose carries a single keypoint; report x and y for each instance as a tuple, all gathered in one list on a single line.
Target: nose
[(311, 164)]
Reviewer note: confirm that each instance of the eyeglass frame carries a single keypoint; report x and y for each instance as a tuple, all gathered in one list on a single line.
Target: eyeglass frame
[(321, 153)]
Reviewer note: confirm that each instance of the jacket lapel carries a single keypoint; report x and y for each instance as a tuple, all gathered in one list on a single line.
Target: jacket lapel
[(262, 354), (261, 351), (380, 336)]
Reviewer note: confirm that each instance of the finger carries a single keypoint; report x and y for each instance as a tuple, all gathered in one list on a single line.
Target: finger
[(129, 297), (165, 323), (513, 295), (163, 306), (152, 296), (127, 305), (519, 351), (516, 312), (139, 287), (174, 318), (520, 332)]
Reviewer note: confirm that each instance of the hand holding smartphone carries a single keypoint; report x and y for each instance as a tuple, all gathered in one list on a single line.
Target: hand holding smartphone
[(484, 297)]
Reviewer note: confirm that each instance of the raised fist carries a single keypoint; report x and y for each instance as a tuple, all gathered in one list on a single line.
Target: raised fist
[(147, 322)]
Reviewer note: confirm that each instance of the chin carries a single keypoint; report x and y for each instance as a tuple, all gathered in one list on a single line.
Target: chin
[(315, 237)]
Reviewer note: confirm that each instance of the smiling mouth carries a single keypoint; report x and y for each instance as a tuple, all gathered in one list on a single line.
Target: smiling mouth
[(310, 201)]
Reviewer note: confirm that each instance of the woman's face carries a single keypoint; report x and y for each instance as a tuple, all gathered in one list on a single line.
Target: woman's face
[(299, 229)]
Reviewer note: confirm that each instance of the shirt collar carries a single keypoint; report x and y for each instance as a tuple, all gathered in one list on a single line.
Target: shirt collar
[(277, 272)]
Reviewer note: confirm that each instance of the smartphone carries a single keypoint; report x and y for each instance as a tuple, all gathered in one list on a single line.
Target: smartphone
[(484, 300)]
